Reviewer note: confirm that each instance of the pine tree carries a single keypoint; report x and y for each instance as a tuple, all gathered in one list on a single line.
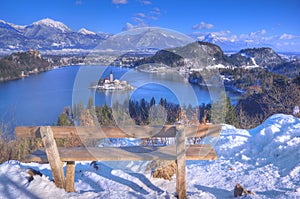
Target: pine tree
[(152, 102), (91, 104)]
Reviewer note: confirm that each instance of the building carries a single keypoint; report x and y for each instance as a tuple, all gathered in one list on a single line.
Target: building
[(111, 77)]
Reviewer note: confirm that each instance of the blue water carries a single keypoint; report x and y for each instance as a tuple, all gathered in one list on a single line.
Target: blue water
[(39, 99)]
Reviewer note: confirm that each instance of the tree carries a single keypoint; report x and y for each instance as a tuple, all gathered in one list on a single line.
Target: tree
[(296, 80), (144, 111), (64, 120), (282, 97), (80, 109), (74, 111), (152, 102), (91, 103), (231, 115)]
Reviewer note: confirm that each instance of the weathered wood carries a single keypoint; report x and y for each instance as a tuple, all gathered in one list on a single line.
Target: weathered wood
[(125, 132), (180, 163), (134, 153), (53, 156), (70, 172), (202, 130)]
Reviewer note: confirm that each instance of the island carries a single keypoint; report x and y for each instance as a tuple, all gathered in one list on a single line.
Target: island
[(112, 84)]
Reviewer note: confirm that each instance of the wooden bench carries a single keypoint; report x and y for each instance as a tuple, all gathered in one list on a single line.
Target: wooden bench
[(57, 157)]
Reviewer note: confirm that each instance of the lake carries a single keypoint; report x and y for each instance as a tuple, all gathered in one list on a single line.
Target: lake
[(40, 98)]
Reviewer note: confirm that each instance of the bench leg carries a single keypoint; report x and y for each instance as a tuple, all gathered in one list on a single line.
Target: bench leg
[(181, 165), (181, 179), (70, 176), (53, 156)]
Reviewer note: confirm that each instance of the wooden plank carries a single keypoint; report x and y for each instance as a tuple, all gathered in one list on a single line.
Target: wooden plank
[(53, 156), (193, 152), (180, 163), (203, 130), (125, 132), (100, 132), (200, 152), (70, 176)]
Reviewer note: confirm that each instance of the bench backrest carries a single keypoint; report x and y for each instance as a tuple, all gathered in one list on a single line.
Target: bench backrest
[(115, 132)]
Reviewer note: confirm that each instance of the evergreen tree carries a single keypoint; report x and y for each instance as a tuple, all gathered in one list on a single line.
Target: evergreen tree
[(80, 109), (231, 115), (90, 104), (74, 111), (64, 120), (152, 102)]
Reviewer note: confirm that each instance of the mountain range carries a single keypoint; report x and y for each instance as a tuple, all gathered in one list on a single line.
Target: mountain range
[(47, 34), (50, 36)]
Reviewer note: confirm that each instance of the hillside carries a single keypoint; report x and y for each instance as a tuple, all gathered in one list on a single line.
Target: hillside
[(265, 160), (203, 54), (18, 65)]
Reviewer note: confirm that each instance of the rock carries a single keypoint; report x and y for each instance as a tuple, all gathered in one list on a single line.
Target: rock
[(32, 173), (239, 190), (162, 169)]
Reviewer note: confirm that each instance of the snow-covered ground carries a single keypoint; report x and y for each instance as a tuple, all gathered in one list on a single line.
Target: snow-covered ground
[(265, 160)]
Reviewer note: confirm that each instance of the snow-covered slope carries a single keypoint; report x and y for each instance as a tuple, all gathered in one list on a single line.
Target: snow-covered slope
[(265, 160), (86, 32), (53, 24), (46, 34)]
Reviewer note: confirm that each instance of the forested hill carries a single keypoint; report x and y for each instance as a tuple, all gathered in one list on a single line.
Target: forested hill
[(203, 54), (21, 64)]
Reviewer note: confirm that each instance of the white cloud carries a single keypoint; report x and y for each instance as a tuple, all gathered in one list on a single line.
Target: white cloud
[(258, 33), (155, 11), (78, 2), (228, 40), (287, 36), (130, 26), (142, 19), (138, 20), (202, 25), (119, 1), (145, 2), (143, 15)]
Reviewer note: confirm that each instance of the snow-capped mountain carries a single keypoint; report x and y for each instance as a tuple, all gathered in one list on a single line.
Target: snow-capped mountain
[(233, 43), (145, 38), (86, 32), (46, 34), (45, 28), (53, 24)]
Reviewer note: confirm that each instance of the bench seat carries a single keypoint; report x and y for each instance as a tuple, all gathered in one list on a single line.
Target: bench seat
[(134, 153)]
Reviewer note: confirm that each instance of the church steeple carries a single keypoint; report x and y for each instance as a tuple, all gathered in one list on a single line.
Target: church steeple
[(111, 77)]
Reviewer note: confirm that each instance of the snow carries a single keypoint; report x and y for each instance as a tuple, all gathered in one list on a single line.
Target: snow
[(265, 160), (54, 24), (86, 32), (253, 61)]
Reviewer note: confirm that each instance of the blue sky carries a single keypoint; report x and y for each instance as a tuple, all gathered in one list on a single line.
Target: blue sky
[(232, 19)]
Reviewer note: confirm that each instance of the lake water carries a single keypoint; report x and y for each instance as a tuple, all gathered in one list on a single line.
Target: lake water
[(39, 99)]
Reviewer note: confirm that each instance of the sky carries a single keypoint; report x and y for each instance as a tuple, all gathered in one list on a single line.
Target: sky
[(232, 19)]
